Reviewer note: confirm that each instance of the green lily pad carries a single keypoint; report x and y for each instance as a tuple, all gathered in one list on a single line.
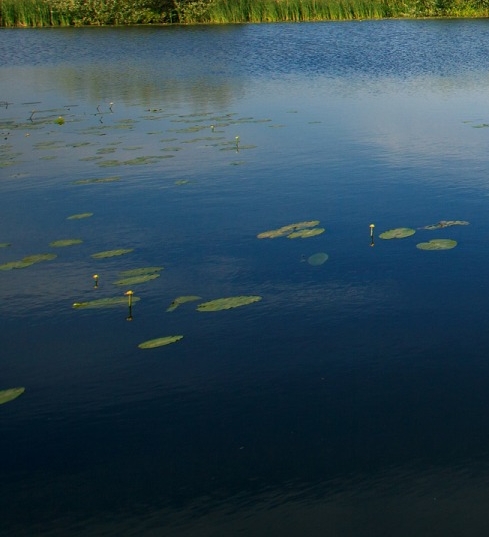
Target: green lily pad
[(27, 261), (139, 275), (317, 259), (79, 216), (398, 233), (437, 244), (287, 230), (112, 253), (10, 394), (133, 280), (65, 242), (108, 302), (182, 300), (4, 244), (227, 303), (159, 342), (111, 179), (446, 223), (306, 233)]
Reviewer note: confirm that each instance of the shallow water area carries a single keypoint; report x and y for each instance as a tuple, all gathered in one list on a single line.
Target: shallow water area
[(349, 397)]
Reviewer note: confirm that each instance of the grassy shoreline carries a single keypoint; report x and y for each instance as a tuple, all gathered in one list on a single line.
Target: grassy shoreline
[(39, 13)]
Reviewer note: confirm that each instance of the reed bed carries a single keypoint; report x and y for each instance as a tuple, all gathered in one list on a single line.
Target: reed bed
[(15, 13)]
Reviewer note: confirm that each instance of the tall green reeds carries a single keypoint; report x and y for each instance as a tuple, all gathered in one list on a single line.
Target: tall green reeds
[(114, 12)]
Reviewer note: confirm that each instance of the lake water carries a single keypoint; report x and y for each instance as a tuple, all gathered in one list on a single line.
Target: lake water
[(352, 400)]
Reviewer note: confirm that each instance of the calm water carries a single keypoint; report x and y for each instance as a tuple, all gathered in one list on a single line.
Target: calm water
[(352, 400)]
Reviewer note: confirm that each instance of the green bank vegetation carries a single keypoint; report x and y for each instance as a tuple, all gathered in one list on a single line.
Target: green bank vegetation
[(35, 13)]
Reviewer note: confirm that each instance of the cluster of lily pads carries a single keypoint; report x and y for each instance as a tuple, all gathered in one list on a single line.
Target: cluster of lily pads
[(433, 244)]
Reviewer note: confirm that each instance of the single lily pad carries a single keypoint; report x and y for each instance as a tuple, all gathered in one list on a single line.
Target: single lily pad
[(79, 216), (111, 179), (5, 244), (108, 302), (133, 280), (27, 261), (317, 259), (182, 300), (306, 233), (227, 303), (10, 394), (140, 271), (437, 244), (65, 242), (159, 342), (112, 253), (398, 233), (287, 230), (446, 223)]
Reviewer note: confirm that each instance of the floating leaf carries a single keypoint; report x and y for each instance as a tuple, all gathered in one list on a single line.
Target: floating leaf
[(27, 261), (437, 244), (111, 179), (106, 302), (112, 253), (447, 223), (398, 233), (4, 244), (305, 233), (317, 259), (65, 242), (133, 280), (227, 303), (182, 300), (139, 271), (286, 230), (159, 342), (10, 394), (79, 216)]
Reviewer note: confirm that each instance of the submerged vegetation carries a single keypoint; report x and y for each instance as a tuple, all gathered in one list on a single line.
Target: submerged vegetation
[(118, 12)]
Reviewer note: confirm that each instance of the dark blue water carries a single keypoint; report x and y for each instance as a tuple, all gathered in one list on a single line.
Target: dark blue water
[(352, 399)]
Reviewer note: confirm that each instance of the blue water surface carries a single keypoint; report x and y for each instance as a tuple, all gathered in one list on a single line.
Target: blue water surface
[(352, 399)]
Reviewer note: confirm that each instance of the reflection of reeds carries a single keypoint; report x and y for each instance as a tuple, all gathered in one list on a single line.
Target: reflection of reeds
[(107, 12)]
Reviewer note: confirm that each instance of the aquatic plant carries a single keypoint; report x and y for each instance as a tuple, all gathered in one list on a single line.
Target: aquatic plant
[(139, 275), (437, 244), (65, 242), (110, 179), (306, 233), (287, 230), (397, 233), (27, 261), (112, 253), (10, 394), (5, 244), (159, 342), (108, 302), (446, 223), (182, 300), (227, 303), (79, 216), (317, 259)]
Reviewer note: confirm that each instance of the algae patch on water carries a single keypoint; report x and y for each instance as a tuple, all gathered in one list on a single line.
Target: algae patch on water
[(437, 244), (10, 394), (182, 300), (397, 233), (228, 303), (159, 342)]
